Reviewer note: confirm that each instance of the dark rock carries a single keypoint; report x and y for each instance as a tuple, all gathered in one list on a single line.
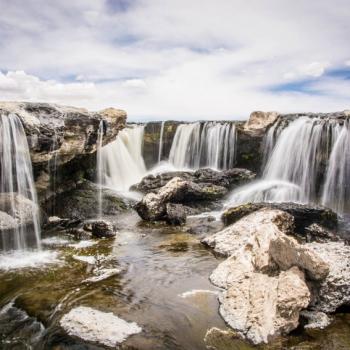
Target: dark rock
[(228, 179), (81, 202), (63, 140), (318, 233), (304, 215), (153, 206), (79, 233), (175, 214), (102, 229)]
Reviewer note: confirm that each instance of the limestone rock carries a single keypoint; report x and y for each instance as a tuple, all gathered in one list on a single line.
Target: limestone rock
[(334, 291), (97, 326), (153, 206), (260, 120), (262, 307), (316, 319), (287, 252)]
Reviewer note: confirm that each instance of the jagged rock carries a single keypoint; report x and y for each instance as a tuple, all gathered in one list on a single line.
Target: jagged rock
[(262, 307), (260, 120), (287, 252), (320, 234), (153, 205), (334, 291), (316, 319), (226, 178), (102, 229), (176, 214), (264, 275), (304, 215), (98, 327), (64, 138)]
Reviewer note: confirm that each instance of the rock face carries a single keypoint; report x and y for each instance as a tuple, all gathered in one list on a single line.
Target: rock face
[(260, 121), (227, 178), (304, 216), (153, 206), (62, 139), (98, 327), (80, 202), (269, 278)]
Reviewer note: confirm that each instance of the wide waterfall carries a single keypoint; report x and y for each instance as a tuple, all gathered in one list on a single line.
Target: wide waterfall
[(120, 163), (18, 199), (209, 144), (300, 155)]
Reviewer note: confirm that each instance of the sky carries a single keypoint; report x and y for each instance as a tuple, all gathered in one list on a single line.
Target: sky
[(178, 59)]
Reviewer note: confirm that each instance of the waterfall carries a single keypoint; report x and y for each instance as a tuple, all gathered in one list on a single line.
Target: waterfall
[(336, 192), (295, 168), (17, 190), (161, 141), (120, 163), (209, 144), (100, 168)]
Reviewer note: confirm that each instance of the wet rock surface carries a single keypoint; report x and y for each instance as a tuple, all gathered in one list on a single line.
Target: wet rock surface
[(305, 216), (204, 177), (153, 206), (63, 140)]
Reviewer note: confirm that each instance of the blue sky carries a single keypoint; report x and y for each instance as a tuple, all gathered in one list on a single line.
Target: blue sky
[(178, 59)]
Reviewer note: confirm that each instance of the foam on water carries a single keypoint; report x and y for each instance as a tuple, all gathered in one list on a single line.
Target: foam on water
[(20, 259)]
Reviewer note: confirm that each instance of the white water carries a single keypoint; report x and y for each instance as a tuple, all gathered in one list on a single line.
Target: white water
[(209, 144), (99, 168), (336, 192), (296, 164), (161, 141), (17, 182), (121, 162)]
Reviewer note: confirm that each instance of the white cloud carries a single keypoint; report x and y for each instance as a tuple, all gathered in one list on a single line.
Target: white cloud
[(175, 59)]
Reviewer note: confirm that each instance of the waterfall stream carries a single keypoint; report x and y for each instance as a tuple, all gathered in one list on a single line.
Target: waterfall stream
[(161, 141), (18, 197), (299, 156), (209, 144), (120, 163)]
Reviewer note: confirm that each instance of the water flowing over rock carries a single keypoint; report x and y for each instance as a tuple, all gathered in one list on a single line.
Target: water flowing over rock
[(18, 194), (62, 141), (121, 163), (209, 144), (299, 150)]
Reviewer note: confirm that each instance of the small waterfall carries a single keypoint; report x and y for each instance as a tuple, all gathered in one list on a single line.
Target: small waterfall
[(99, 167), (17, 190), (336, 192), (120, 163), (209, 144), (161, 141), (52, 168), (295, 168)]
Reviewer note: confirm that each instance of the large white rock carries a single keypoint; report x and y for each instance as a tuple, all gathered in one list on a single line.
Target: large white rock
[(334, 290), (98, 327)]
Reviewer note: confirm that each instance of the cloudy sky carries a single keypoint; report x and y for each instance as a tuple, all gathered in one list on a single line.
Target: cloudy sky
[(182, 59)]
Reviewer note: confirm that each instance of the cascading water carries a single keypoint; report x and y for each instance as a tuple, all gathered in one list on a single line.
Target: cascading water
[(99, 167), (17, 192), (120, 163), (295, 168), (209, 144), (161, 141), (336, 191)]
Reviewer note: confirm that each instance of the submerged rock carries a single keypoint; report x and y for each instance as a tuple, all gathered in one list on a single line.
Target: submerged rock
[(97, 326)]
